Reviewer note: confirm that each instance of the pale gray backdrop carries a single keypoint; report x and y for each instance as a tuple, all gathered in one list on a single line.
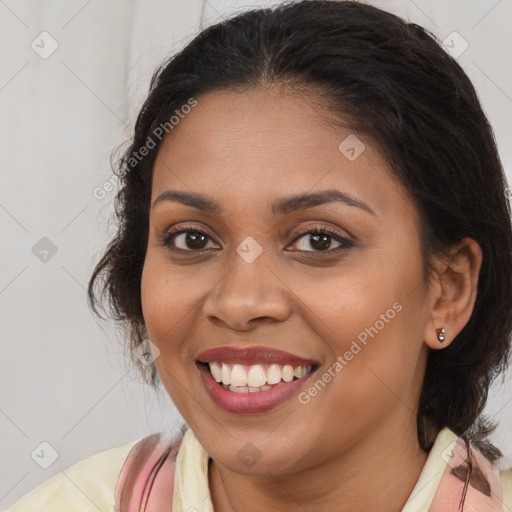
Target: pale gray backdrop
[(72, 77)]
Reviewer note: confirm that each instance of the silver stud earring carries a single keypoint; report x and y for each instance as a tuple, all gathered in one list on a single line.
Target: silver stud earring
[(440, 334)]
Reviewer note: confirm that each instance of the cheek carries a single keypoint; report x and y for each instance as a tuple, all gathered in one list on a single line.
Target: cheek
[(371, 318), (172, 300), (165, 292), (164, 299), (165, 305), (345, 301)]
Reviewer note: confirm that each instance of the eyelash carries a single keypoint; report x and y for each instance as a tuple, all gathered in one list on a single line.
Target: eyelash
[(316, 230)]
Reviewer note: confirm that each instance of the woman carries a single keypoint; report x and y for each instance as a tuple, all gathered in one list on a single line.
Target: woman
[(315, 237)]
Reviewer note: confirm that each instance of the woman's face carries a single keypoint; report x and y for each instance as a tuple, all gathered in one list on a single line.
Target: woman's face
[(352, 302)]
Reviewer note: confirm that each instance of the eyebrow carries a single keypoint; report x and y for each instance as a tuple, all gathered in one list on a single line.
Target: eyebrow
[(283, 206)]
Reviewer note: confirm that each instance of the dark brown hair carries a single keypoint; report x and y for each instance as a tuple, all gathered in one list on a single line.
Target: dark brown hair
[(396, 84)]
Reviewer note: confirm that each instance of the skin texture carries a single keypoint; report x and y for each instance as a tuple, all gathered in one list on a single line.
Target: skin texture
[(354, 445)]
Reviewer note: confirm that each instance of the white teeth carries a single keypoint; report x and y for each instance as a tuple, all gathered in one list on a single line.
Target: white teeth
[(239, 376), (300, 371), (243, 389), (273, 374), (256, 376), (287, 373), (247, 389), (216, 371), (245, 378), (226, 374)]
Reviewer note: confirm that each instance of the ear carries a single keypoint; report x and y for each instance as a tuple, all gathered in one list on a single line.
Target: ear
[(453, 291)]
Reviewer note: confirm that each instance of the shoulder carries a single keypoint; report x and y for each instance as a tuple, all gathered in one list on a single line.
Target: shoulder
[(87, 485), (147, 475), (506, 486)]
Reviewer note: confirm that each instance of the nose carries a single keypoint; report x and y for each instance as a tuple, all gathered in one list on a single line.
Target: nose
[(248, 294)]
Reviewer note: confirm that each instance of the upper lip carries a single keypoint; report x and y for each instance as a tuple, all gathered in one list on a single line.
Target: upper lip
[(253, 355)]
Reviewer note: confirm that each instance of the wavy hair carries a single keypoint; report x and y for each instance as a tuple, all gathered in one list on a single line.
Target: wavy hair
[(395, 83)]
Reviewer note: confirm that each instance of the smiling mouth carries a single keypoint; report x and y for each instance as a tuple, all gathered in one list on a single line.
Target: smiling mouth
[(241, 378)]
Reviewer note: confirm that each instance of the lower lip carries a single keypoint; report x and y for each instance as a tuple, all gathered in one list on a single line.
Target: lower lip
[(250, 403)]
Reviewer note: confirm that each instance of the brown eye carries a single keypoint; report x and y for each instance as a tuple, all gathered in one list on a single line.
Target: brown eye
[(188, 239), (321, 239)]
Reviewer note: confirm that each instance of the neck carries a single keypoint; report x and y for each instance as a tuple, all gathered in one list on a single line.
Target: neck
[(378, 473)]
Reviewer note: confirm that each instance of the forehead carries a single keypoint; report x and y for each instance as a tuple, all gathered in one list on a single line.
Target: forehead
[(258, 144)]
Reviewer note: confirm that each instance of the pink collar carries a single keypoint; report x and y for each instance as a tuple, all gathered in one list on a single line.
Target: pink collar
[(148, 475)]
